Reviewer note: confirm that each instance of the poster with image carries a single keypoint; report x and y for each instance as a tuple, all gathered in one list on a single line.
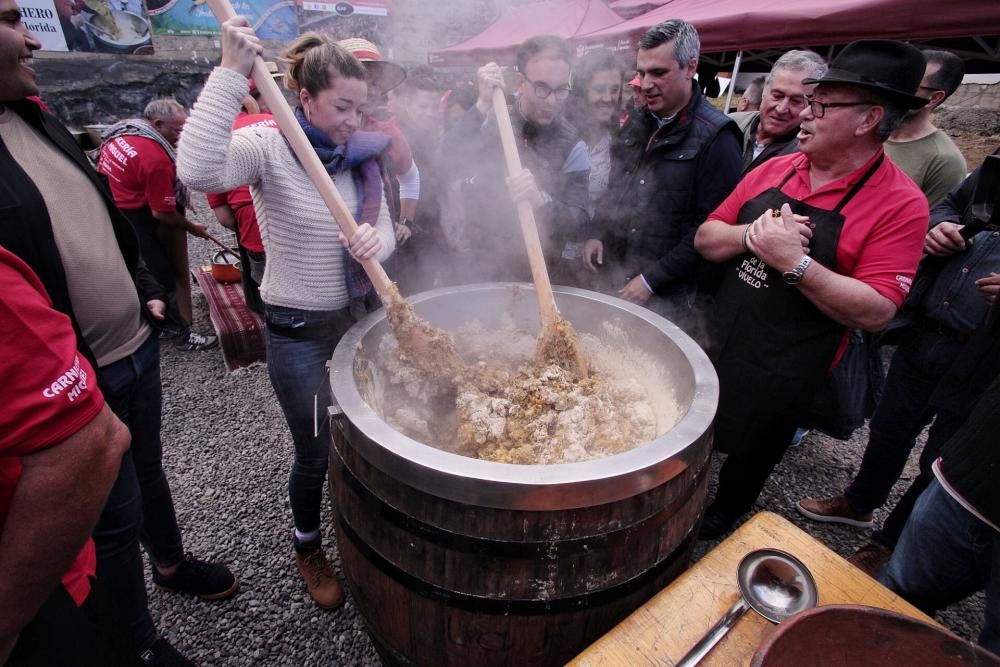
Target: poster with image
[(41, 20), (272, 19), (368, 19), (105, 26)]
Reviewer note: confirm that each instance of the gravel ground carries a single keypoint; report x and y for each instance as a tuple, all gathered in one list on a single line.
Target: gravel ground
[(227, 453)]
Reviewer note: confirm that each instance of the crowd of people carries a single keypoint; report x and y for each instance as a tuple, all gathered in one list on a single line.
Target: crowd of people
[(826, 203)]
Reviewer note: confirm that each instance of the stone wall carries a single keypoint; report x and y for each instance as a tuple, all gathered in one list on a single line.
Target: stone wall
[(96, 88), (976, 95)]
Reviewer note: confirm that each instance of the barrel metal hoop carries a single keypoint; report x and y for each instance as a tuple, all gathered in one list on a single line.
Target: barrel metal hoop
[(506, 548), (517, 607)]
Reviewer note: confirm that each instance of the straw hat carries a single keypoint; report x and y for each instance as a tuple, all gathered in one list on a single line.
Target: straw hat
[(383, 74), (272, 69)]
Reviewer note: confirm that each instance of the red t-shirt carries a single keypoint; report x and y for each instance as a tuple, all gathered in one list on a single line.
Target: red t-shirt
[(884, 224), (140, 172), (239, 199), (47, 389)]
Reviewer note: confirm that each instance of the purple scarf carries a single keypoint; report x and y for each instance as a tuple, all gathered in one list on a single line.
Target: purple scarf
[(359, 156)]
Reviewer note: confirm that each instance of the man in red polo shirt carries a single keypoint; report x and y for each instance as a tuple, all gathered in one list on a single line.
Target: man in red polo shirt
[(813, 244), (60, 448), (138, 158)]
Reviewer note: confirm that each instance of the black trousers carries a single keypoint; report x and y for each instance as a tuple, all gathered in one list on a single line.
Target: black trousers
[(62, 634), (745, 472)]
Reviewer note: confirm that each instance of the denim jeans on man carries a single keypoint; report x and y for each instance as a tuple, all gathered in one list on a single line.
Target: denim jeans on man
[(945, 554), (299, 343), (140, 506), (902, 413)]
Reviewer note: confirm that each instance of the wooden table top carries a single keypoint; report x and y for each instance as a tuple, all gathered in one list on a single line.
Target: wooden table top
[(665, 628)]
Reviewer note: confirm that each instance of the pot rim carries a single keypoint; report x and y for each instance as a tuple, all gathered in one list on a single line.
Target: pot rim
[(536, 486)]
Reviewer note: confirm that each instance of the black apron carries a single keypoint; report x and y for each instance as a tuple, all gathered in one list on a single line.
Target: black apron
[(771, 346)]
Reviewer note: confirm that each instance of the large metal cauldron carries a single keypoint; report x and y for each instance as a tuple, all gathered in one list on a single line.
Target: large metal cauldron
[(457, 561)]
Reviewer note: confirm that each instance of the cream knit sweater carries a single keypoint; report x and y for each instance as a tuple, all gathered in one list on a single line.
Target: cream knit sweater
[(305, 259)]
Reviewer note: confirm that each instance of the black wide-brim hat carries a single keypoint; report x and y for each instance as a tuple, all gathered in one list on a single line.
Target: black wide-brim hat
[(892, 69)]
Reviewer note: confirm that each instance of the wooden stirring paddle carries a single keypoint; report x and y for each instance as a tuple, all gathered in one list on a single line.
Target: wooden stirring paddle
[(558, 341), (428, 348)]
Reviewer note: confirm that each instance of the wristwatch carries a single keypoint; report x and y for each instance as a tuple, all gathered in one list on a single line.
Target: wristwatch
[(794, 277)]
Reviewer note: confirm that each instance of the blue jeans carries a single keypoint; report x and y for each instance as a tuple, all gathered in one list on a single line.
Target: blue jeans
[(902, 413), (299, 343), (140, 506), (945, 554)]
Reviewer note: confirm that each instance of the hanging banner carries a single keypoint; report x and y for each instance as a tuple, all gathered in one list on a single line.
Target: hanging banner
[(272, 19), (341, 19), (41, 20), (105, 26), (359, 8)]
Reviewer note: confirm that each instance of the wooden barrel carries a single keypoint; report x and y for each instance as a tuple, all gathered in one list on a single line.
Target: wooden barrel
[(444, 583), (458, 561)]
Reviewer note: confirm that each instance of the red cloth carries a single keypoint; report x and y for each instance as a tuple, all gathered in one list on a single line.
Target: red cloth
[(399, 148), (240, 330), (140, 173), (884, 224), (730, 25), (48, 391), (239, 199)]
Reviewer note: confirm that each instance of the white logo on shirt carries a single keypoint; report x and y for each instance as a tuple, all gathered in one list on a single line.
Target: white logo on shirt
[(73, 381)]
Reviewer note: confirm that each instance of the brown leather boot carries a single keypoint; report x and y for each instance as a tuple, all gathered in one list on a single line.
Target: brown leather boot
[(870, 558), (318, 575)]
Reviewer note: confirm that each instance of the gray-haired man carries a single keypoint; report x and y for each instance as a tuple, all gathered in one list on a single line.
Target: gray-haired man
[(772, 130)]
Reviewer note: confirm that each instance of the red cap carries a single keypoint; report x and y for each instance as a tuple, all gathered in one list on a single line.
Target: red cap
[(636, 82)]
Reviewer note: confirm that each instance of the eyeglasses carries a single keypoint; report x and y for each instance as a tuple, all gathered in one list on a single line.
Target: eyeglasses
[(819, 108), (933, 90), (543, 90), (794, 101)]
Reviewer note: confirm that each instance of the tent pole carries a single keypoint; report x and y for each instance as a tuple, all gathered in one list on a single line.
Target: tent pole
[(732, 81)]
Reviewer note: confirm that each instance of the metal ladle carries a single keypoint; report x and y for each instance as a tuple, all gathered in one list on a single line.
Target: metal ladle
[(773, 583)]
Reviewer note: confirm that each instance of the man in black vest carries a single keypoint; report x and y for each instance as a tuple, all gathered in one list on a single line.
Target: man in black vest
[(60, 219), (671, 164), (812, 243), (556, 174)]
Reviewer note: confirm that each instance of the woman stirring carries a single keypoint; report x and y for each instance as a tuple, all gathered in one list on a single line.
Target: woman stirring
[(312, 274)]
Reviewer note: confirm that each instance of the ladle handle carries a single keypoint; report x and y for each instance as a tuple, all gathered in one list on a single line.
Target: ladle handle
[(714, 635), (525, 214)]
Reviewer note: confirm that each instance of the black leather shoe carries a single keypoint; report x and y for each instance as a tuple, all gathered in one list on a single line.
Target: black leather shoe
[(716, 523)]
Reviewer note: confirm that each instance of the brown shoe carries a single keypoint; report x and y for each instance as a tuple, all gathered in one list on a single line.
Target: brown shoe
[(870, 558), (320, 580), (833, 510)]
